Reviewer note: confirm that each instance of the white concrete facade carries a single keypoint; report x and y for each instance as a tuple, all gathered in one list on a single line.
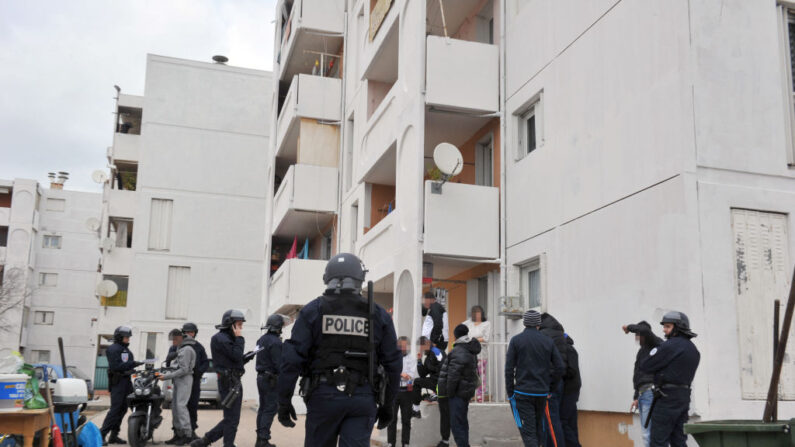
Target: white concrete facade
[(58, 274), (197, 210)]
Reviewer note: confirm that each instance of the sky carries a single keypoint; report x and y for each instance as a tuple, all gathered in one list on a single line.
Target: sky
[(60, 60)]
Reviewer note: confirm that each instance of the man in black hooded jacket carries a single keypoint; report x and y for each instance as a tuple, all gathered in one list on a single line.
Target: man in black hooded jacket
[(554, 330), (642, 381), (571, 394), (459, 380)]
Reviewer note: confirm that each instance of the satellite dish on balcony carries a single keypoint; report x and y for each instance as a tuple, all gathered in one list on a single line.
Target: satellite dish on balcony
[(108, 243), (99, 176), (107, 288), (92, 223), (448, 159)]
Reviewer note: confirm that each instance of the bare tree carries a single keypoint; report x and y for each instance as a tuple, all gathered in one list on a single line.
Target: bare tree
[(13, 292)]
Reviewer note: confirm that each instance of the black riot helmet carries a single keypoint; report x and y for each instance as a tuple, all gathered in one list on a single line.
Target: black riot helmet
[(274, 324), (230, 317), (681, 323), (121, 332), (190, 327), (344, 273)]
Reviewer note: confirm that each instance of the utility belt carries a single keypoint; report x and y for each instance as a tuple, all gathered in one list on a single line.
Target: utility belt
[(345, 380), (645, 387), (229, 377), (674, 386), (115, 377), (272, 378)]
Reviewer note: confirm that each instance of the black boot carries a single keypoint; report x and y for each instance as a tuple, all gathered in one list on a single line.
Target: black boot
[(262, 442), (193, 436), (174, 438), (115, 439), (201, 442), (104, 435)]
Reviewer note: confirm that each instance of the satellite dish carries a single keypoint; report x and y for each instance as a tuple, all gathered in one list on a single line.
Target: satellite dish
[(448, 159), (99, 176), (92, 223), (108, 243), (107, 288)]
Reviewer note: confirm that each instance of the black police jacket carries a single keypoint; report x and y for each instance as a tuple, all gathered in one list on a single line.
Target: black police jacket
[(120, 361), (675, 362), (649, 341), (270, 356), (227, 350), (459, 374), (298, 353), (532, 363), (202, 362)]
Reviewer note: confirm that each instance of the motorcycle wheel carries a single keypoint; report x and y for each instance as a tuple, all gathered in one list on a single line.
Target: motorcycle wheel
[(136, 431)]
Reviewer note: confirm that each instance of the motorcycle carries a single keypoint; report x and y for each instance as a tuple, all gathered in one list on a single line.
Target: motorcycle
[(145, 403)]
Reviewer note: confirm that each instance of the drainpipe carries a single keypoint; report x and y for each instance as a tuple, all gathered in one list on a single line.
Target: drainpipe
[(343, 130), (503, 161)]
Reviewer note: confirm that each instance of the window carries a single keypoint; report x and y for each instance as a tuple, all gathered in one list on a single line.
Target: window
[(121, 230), (120, 298), (40, 356), (3, 236), (325, 246), (485, 23), (151, 345), (51, 241), (48, 279), (160, 224), (530, 123), (761, 263), (43, 317), (178, 295), (354, 224), (787, 38), (532, 283), (484, 168), (56, 204)]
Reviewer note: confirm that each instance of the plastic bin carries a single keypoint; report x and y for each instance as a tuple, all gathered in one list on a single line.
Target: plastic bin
[(739, 433), (12, 391)]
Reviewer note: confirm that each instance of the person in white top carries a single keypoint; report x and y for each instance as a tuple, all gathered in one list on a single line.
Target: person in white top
[(435, 327), (480, 328), (405, 396)]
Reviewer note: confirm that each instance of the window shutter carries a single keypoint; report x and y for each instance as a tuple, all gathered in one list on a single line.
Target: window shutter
[(178, 294), (160, 224)]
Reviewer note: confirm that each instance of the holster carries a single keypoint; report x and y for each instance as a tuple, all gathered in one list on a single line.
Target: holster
[(270, 377)]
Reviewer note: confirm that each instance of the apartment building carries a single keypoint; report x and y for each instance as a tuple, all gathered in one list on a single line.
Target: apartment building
[(184, 203), (621, 159), (48, 262)]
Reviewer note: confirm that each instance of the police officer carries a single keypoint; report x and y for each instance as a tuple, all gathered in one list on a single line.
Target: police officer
[(269, 358), (329, 346), (202, 365), (120, 366), (227, 352), (674, 365)]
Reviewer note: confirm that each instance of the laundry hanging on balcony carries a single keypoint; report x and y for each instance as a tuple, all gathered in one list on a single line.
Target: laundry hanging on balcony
[(304, 254), (292, 253)]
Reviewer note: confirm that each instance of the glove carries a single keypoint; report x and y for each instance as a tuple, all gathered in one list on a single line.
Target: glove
[(287, 415), (384, 416)]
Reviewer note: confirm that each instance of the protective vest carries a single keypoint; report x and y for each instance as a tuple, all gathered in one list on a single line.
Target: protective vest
[(344, 327)]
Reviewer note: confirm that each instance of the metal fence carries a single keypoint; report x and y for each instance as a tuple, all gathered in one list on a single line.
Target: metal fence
[(491, 369)]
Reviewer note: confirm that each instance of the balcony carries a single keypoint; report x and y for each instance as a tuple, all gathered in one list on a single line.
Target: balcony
[(297, 282), (314, 26), (305, 201), (121, 203), (125, 147), (376, 247), (463, 221), (462, 75), (309, 97)]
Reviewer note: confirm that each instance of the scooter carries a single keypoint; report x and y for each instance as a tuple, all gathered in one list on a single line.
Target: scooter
[(145, 403)]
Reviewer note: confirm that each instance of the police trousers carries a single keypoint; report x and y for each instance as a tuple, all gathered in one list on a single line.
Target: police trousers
[(227, 428), (333, 415), (193, 402), (268, 397), (118, 406), (669, 417)]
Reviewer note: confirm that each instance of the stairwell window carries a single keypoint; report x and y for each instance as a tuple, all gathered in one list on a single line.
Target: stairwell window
[(48, 279), (43, 317), (51, 241), (160, 224), (532, 283), (530, 126), (787, 48)]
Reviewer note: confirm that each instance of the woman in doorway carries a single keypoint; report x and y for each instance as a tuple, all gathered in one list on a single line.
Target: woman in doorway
[(480, 328)]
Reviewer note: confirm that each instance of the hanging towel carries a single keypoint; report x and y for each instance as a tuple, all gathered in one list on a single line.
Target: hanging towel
[(292, 253), (304, 254)]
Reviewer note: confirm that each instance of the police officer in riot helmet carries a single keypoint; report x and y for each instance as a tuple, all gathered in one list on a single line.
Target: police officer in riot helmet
[(226, 348), (120, 366), (269, 358), (674, 365), (330, 348), (202, 365)]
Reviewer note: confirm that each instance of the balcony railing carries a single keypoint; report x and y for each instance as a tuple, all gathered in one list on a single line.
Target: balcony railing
[(313, 26), (462, 75), (297, 282), (126, 147), (462, 221), (121, 203), (312, 97), (306, 200)]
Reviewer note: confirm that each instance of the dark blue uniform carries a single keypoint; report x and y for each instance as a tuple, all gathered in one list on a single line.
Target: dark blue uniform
[(268, 360), (120, 363), (202, 365), (674, 365), (333, 414), (227, 354)]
